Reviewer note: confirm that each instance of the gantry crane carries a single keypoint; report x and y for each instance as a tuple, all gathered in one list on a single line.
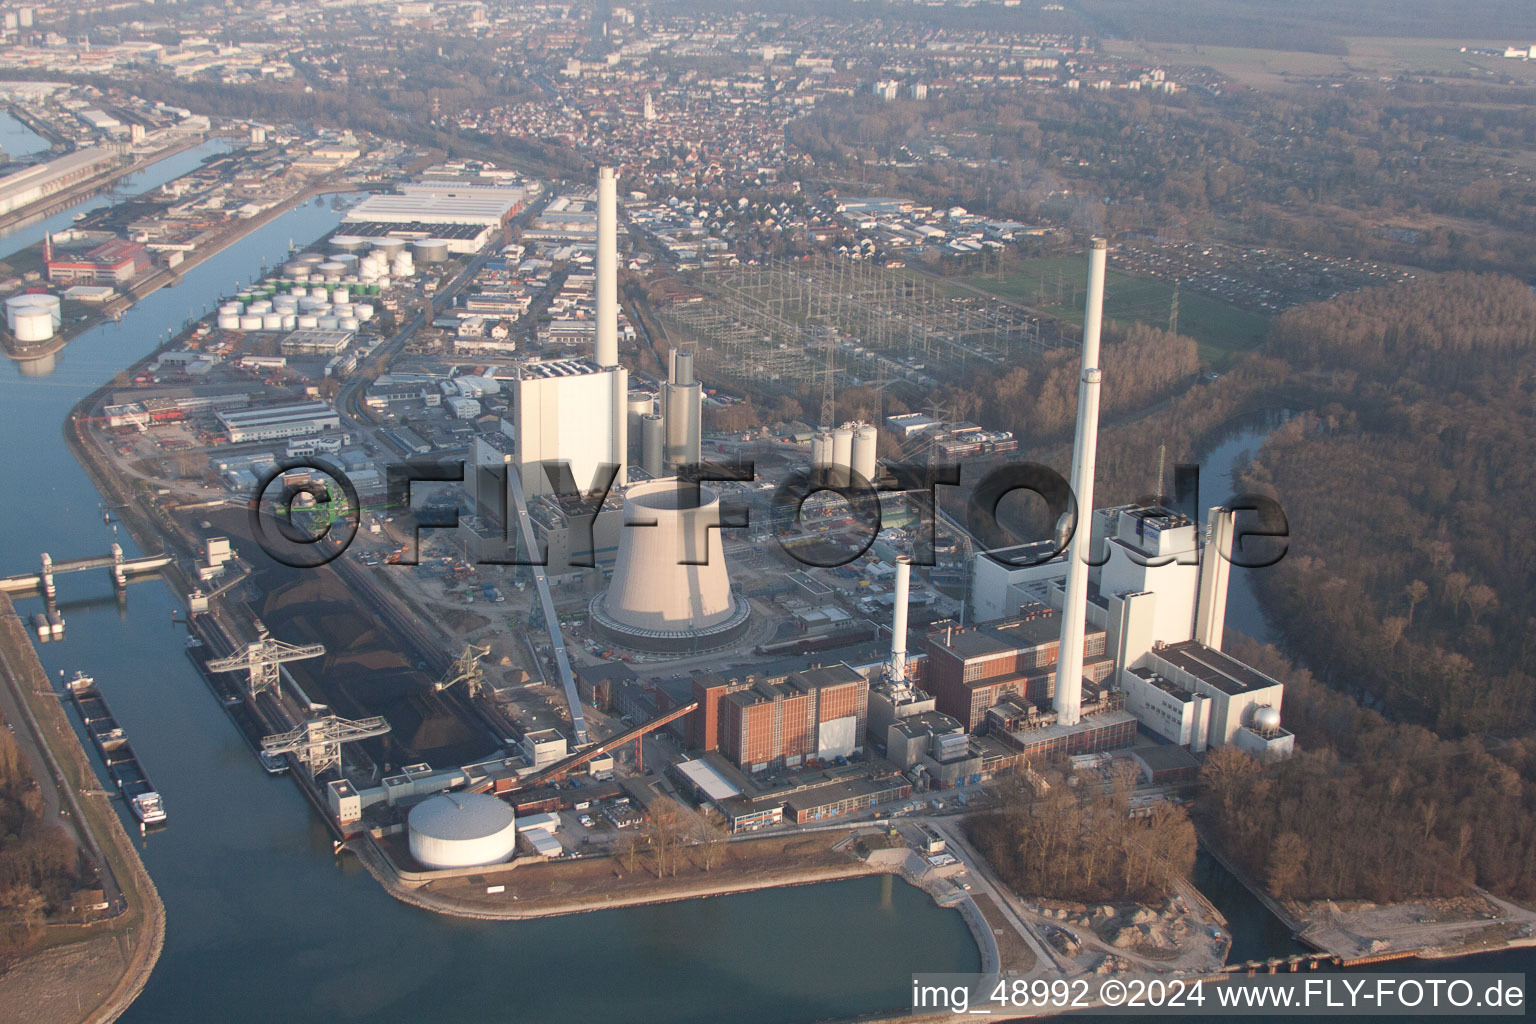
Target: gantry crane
[(261, 660), (317, 743), (466, 669)]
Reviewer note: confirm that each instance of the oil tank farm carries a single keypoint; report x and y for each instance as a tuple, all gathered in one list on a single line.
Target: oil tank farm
[(462, 830)]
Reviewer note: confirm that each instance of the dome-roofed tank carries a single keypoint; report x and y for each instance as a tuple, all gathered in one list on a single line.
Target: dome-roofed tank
[(460, 830)]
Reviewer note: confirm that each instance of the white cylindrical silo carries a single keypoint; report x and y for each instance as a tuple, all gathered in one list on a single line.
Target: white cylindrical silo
[(290, 321), (842, 455), (347, 323), (308, 321), (250, 323), (401, 266), (271, 321), (865, 439), (260, 306), (821, 450), (328, 323), (232, 308), (229, 322), (364, 310)]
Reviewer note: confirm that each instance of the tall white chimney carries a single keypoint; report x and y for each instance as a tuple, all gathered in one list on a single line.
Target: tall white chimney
[(606, 349), (1074, 614), (899, 620)]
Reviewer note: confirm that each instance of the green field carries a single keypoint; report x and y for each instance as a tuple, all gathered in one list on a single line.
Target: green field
[(1055, 287)]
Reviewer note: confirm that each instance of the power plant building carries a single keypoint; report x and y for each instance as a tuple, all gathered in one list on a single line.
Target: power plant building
[(816, 713), (569, 411), (279, 421)]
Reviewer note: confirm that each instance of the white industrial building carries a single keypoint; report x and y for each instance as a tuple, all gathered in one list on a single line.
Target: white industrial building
[(33, 183), (436, 208), (1198, 697), (279, 421), (570, 411)]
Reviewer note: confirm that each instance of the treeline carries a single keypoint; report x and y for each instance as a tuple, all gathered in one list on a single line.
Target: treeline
[(1369, 808), (38, 862), (1410, 499), (1080, 843)]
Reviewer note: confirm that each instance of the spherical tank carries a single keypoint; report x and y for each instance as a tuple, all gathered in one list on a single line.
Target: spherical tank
[(460, 830), (1266, 719)]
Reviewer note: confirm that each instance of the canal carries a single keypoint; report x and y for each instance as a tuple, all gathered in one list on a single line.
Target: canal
[(264, 923)]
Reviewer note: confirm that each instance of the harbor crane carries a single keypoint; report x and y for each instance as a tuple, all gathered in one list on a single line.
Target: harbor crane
[(261, 660), (317, 742), (466, 669)]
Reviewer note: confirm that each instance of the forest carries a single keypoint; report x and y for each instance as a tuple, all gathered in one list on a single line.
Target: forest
[(1079, 842), (38, 862), (1410, 496), (1369, 808)]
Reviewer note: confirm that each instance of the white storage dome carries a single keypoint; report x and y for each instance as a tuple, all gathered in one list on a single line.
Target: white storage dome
[(460, 830)]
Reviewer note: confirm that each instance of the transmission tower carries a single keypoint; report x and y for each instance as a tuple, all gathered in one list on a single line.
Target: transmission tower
[(261, 660), (1173, 309), (317, 743), (828, 406), (466, 669)]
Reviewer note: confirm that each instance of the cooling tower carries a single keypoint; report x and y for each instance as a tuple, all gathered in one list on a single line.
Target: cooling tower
[(670, 591), (1069, 666)]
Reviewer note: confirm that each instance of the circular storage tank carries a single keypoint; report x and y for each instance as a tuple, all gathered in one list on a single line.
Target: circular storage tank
[(259, 306), (363, 310), (308, 322), (271, 321), (462, 830), (309, 259), (250, 323), (347, 244), (346, 259), (290, 321), (32, 324), (329, 323), (332, 271), (312, 302), (232, 307), (347, 323), (344, 309), (229, 322), (430, 251), (402, 266), (821, 449), (389, 246)]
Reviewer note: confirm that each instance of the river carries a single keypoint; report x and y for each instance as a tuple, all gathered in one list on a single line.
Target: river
[(264, 923)]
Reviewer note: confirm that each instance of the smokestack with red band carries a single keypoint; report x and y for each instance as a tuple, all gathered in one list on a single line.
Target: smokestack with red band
[(899, 620), (605, 351), (1074, 614)]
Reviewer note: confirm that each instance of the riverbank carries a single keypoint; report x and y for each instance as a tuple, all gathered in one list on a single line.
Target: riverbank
[(533, 889), (85, 973), (166, 277), (68, 197)]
